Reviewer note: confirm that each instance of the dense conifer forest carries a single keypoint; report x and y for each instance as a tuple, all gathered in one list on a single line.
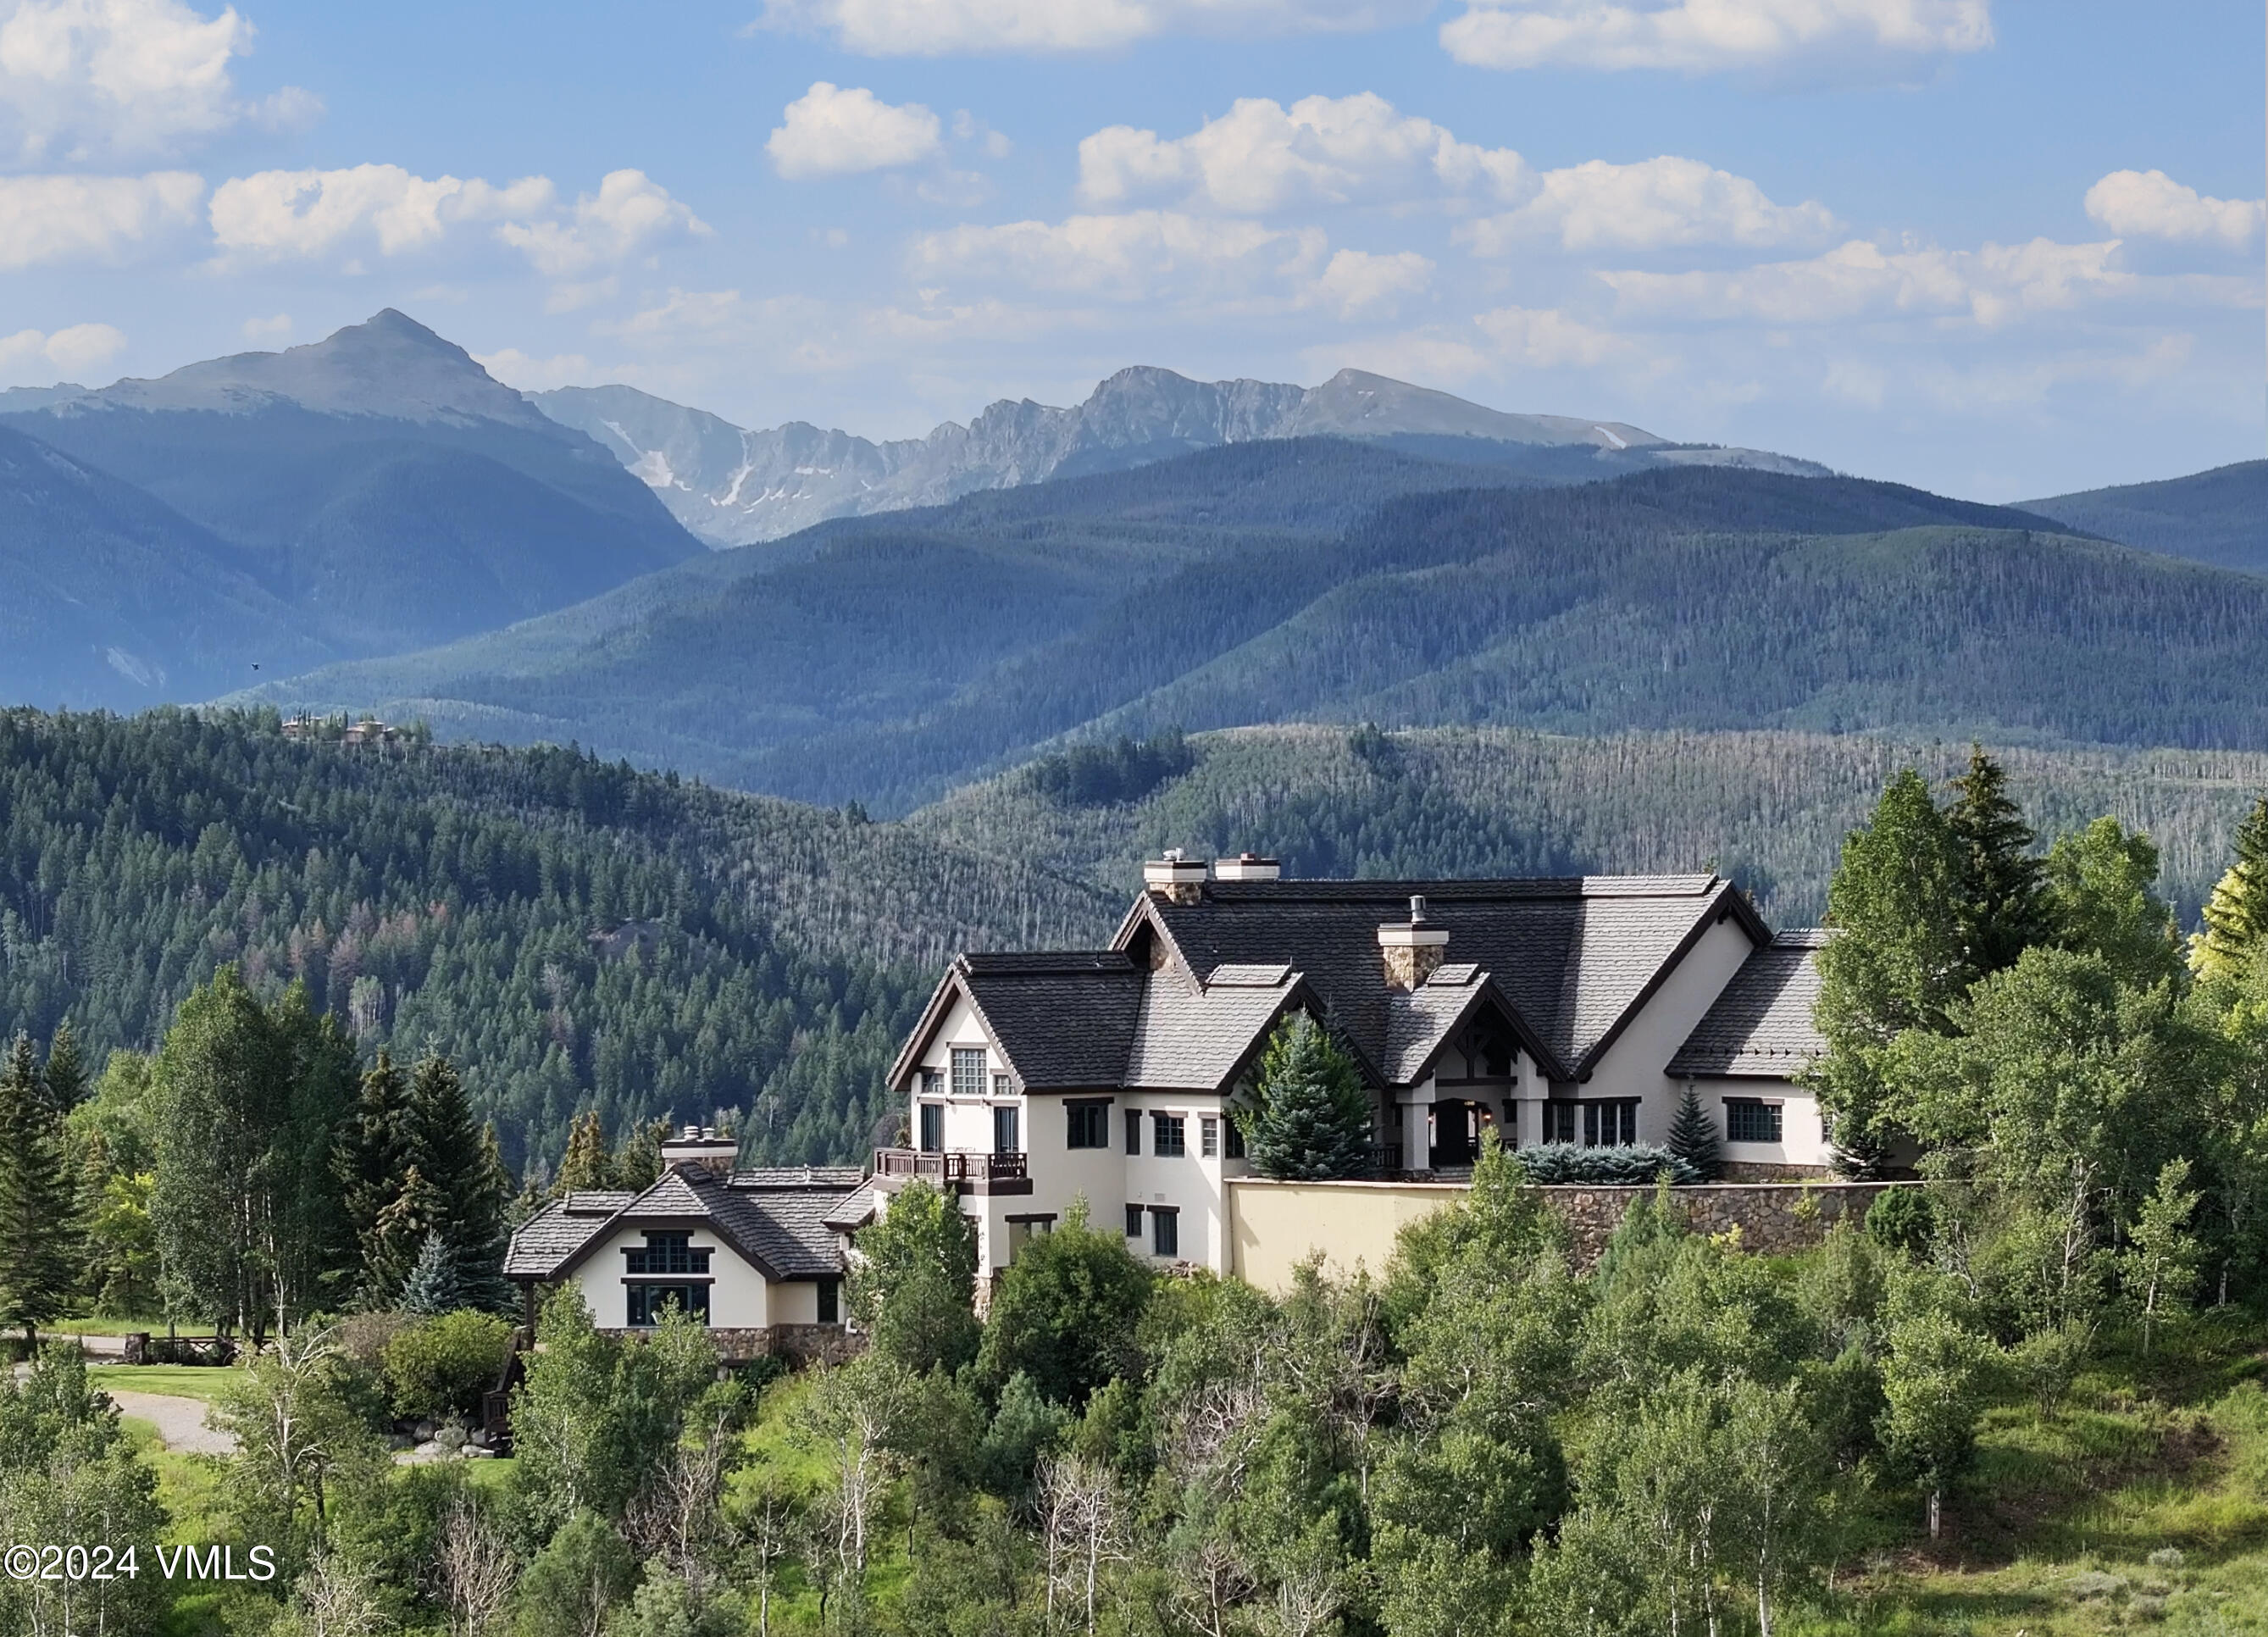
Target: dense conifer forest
[(578, 936)]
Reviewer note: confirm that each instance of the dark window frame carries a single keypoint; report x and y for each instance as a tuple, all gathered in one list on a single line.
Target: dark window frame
[(1087, 1125), (1170, 1135), (1232, 1139), (1133, 1221), (1009, 1119), (928, 1134), (646, 1301), (666, 1252), (1164, 1232), (1741, 1113), (1134, 1133), (830, 1301)]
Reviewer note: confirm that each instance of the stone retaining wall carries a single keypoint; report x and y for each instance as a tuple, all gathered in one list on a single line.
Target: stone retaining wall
[(798, 1344), (1274, 1226)]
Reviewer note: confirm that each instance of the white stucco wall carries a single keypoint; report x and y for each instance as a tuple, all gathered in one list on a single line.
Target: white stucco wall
[(738, 1295), (1803, 1138), (1636, 1064), (1190, 1185)]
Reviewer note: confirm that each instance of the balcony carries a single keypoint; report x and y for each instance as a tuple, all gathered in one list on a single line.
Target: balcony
[(955, 1172)]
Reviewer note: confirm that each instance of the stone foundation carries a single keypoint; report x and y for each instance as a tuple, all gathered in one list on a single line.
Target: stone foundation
[(1771, 1171), (1773, 1218)]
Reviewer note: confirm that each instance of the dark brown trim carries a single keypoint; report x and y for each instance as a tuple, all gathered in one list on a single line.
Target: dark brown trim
[(671, 1278), (1088, 1102), (1032, 1216)]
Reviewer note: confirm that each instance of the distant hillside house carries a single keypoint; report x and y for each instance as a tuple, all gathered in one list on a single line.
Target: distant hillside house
[(1571, 1010), (757, 1256)]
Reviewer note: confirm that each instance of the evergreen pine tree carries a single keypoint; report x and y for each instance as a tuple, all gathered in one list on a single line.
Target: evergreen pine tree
[(2237, 913), (66, 1070), (398, 1240), (39, 1199), (458, 1160), (374, 1161), (1313, 1117), (432, 1288), (587, 1164), (2003, 909), (1693, 1136)]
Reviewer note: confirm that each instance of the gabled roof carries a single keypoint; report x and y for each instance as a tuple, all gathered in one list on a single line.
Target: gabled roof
[(1063, 1020), (779, 1228), (558, 1231), (1199, 1039), (1573, 958), (1760, 1025)]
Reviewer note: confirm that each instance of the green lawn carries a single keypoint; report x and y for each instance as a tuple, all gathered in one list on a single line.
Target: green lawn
[(179, 1381), (2141, 1501)]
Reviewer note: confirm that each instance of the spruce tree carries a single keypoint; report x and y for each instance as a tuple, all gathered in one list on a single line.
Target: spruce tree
[(66, 1070), (39, 1199), (2003, 907), (2237, 913), (587, 1165), (432, 1288), (374, 1159), (1693, 1137), (1313, 1117), (399, 1239), (458, 1160)]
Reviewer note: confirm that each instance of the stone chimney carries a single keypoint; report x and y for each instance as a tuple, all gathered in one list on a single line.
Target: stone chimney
[(698, 1151), (1246, 866), (1176, 878), (1408, 954)]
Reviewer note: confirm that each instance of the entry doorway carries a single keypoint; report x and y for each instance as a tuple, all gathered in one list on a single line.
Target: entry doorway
[(1457, 1128)]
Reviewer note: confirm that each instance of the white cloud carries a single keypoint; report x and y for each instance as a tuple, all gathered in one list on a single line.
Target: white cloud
[(1707, 36), (276, 327), (1546, 338), (77, 348), (83, 78), (1261, 156), (517, 370), (277, 215), (1651, 205), (2150, 204), (62, 218), (1859, 281), (630, 213), (312, 213), (934, 28), (1359, 284), (831, 132), (1140, 254)]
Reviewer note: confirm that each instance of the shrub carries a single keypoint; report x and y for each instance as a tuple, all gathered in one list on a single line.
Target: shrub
[(1902, 1219), (440, 1366), (1632, 1165)]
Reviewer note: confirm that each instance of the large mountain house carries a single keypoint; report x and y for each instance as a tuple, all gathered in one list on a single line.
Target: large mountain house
[(1574, 1010), (758, 1255)]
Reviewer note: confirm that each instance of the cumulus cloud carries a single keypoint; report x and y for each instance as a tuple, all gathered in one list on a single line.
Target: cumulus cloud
[(69, 219), (1710, 36), (1652, 205), (935, 27), (276, 327), (1857, 281), (2150, 204), (630, 213), (1139, 254), (279, 215), (78, 348), (527, 373), (831, 132), (82, 79), (1261, 156), (1359, 284)]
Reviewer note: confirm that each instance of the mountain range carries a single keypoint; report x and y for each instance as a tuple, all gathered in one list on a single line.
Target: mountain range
[(374, 492), (733, 486), (2219, 516)]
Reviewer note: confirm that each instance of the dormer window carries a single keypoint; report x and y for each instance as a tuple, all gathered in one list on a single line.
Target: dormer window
[(667, 1253), (967, 1072)]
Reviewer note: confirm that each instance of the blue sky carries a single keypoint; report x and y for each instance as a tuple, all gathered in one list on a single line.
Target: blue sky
[(2000, 247)]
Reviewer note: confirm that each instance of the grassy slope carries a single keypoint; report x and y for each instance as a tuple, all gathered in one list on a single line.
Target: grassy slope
[(1769, 808), (2142, 1501)]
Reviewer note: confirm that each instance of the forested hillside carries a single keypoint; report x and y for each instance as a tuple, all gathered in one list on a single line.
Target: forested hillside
[(1770, 809), (887, 660), (2219, 517), (576, 935)]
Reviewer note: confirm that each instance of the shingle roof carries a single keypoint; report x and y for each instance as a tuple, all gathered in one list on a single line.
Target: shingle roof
[(1570, 955), (1189, 1039), (1760, 1025), (781, 1226), (558, 1231), (1064, 1021)]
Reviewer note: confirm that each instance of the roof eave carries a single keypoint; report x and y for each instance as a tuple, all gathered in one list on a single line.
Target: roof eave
[(1726, 902)]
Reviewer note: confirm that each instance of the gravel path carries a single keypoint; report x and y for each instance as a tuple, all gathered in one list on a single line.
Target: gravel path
[(181, 1422)]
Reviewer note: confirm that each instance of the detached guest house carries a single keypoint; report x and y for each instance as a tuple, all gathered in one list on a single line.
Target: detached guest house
[(1571, 1010), (757, 1256)]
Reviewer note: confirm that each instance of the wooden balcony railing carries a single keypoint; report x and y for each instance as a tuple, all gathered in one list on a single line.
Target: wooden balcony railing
[(952, 1169)]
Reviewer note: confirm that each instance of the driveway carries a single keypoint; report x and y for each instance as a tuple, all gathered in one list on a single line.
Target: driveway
[(181, 1422)]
